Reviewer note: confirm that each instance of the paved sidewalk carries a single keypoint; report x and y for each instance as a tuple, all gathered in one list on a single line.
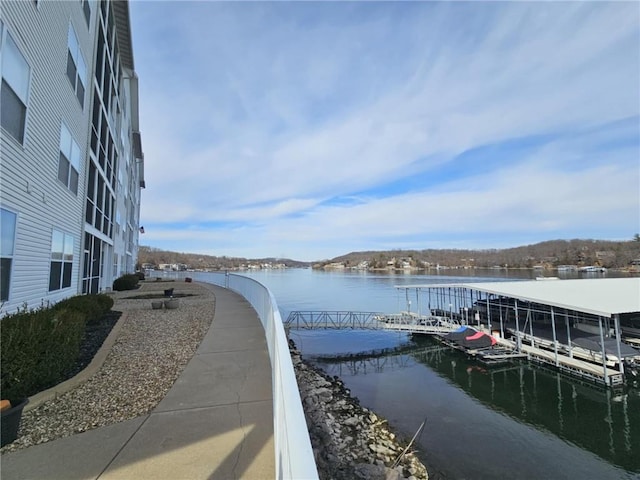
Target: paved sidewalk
[(216, 422)]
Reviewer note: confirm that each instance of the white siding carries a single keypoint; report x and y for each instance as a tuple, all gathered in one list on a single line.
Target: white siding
[(30, 184)]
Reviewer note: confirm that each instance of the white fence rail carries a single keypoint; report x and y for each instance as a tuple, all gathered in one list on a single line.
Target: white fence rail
[(293, 453)]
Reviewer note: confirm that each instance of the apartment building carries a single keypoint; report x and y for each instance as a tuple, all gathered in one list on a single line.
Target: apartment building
[(71, 161)]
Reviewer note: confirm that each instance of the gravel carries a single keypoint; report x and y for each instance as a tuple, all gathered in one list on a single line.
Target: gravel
[(152, 349)]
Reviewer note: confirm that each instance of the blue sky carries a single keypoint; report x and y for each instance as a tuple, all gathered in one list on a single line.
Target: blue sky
[(308, 130)]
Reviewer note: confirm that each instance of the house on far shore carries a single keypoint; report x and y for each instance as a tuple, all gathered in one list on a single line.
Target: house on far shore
[(70, 150), (173, 267)]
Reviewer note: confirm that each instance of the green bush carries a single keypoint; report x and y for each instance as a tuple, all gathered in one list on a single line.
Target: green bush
[(126, 282), (105, 301), (92, 306), (140, 275), (38, 348)]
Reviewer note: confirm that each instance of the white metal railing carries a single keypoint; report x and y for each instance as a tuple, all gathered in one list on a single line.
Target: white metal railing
[(293, 453)]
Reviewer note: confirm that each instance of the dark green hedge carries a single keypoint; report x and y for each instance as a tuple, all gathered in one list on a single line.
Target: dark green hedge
[(126, 282), (105, 301), (92, 306), (40, 346)]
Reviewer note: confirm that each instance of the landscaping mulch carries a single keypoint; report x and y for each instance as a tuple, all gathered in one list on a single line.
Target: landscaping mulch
[(94, 336)]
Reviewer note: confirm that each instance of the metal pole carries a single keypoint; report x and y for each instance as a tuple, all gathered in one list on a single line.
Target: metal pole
[(604, 355), (555, 342), (406, 299), (616, 322), (518, 328), (530, 318), (456, 292), (456, 300), (471, 300), (488, 314), (501, 325), (566, 316)]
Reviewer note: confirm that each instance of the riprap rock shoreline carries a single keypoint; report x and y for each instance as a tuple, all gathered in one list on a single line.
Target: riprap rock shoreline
[(348, 440)]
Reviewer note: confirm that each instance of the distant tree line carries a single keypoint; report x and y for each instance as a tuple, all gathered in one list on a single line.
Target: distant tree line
[(154, 257), (549, 254)]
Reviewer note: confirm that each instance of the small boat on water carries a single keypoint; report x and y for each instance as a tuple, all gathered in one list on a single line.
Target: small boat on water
[(592, 269), (567, 268)]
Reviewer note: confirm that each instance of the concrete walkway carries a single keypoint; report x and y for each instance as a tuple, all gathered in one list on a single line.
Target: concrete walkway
[(216, 422)]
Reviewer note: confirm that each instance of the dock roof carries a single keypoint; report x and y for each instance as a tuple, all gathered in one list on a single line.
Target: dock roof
[(601, 296)]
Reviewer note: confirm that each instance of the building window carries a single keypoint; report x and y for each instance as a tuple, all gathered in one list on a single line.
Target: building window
[(15, 87), (61, 261), (69, 162), (7, 245), (76, 68), (86, 9)]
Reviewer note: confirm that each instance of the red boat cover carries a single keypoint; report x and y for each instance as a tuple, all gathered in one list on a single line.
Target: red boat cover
[(476, 336), (479, 340)]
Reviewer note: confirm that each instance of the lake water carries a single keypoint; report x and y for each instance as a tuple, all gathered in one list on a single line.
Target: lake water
[(513, 422)]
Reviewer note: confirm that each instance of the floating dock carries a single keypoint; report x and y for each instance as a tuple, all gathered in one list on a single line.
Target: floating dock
[(538, 321), (596, 311)]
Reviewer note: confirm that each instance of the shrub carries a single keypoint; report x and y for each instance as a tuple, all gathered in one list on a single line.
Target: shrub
[(93, 307), (105, 301), (80, 303), (126, 282), (140, 275), (38, 347)]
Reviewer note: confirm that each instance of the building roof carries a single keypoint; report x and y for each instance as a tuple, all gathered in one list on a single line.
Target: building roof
[(601, 296), (123, 29)]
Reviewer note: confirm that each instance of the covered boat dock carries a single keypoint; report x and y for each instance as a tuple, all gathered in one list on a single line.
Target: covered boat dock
[(579, 326)]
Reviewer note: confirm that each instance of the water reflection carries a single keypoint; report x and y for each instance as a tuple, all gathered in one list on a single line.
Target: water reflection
[(600, 421)]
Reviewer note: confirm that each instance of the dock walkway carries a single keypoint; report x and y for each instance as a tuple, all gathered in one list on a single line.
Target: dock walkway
[(574, 366)]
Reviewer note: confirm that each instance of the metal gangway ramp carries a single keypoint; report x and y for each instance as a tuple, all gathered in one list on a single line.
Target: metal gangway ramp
[(337, 320), (340, 320)]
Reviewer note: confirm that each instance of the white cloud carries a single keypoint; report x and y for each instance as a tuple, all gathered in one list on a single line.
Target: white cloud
[(261, 113)]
